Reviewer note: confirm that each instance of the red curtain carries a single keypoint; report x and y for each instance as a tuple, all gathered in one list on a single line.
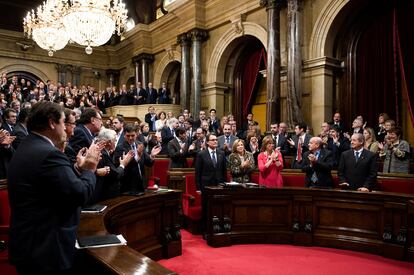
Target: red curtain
[(249, 77), (404, 46), (385, 65)]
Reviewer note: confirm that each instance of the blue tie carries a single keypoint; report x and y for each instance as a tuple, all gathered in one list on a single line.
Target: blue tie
[(213, 158), (356, 156)]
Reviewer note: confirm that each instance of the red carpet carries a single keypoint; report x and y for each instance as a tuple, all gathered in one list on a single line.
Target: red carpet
[(199, 259)]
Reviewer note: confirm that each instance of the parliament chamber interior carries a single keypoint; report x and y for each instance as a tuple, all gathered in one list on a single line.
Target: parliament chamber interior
[(207, 137)]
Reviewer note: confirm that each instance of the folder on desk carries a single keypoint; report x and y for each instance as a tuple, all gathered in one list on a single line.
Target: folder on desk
[(100, 241), (96, 208)]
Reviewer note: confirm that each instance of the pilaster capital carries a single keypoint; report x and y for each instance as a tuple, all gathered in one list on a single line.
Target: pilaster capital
[(75, 69), (197, 34), (271, 4), (62, 68), (183, 39), (143, 56)]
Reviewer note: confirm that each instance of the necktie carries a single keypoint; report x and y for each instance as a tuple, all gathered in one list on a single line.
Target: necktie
[(314, 177), (134, 147), (299, 152), (356, 156), (213, 158), (228, 140)]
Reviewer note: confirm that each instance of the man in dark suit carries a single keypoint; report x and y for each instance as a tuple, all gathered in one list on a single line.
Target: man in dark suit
[(225, 141), (88, 127), (150, 118), (337, 144), (134, 172), (210, 167), (279, 140), (167, 134), (358, 167), (140, 95), (178, 149), (299, 144), (45, 200), (164, 94), (210, 170), (118, 125), (317, 164), (151, 94), (20, 130), (338, 122), (10, 118)]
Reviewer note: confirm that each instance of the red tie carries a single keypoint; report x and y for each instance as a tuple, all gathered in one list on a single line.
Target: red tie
[(299, 153)]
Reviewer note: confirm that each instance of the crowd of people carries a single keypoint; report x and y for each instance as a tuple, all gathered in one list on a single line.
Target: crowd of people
[(73, 157)]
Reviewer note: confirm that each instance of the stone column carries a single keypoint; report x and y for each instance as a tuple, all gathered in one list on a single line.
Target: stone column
[(76, 71), (143, 60), (136, 65), (185, 92), (113, 76), (197, 37), (294, 62), (273, 60), (62, 69)]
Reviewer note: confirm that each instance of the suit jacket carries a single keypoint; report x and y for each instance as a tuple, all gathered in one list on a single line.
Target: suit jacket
[(108, 186), (341, 125), (164, 96), (81, 138), (305, 147), (178, 158), (152, 96), (45, 205), (132, 180), (322, 167), (206, 173), (20, 131), (222, 140), (6, 153), (358, 174), (7, 127), (140, 92), (283, 144), (337, 150), (166, 136), (151, 123)]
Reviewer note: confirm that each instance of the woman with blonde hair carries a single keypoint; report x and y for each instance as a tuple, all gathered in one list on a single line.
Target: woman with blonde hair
[(371, 142), (270, 163), (241, 162)]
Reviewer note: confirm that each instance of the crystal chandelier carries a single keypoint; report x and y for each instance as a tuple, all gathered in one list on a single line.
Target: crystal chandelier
[(46, 28), (89, 23)]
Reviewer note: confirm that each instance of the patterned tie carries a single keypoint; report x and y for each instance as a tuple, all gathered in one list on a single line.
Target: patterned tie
[(228, 140), (299, 152), (213, 158), (314, 177)]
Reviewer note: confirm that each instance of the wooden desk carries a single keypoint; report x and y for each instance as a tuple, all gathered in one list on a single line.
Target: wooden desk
[(149, 223), (375, 222)]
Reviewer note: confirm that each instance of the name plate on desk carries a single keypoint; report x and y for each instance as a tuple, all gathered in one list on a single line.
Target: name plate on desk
[(234, 184)]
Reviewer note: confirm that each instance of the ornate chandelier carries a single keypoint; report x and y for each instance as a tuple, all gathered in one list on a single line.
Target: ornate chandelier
[(89, 23), (46, 27)]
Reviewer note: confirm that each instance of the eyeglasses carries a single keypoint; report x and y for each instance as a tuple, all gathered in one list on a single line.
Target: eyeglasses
[(213, 139)]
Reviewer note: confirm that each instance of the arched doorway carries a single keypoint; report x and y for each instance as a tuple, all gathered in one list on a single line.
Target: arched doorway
[(375, 46), (171, 76), (28, 76), (248, 92)]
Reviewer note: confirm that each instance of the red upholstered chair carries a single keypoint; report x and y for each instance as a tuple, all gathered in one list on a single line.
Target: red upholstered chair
[(293, 179), (254, 177), (398, 185), (190, 162), (5, 267), (159, 170), (192, 204)]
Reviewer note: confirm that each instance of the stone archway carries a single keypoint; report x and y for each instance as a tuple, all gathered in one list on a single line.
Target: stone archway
[(26, 68), (224, 48), (169, 57), (320, 43)]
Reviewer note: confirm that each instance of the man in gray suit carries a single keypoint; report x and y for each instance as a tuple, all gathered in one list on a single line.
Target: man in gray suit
[(225, 142)]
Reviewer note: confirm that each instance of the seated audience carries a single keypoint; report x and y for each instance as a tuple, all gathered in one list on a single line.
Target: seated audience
[(358, 166), (241, 162), (317, 164), (396, 153), (270, 163)]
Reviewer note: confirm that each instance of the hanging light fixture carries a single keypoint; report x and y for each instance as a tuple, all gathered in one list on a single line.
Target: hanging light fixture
[(91, 23), (45, 26)]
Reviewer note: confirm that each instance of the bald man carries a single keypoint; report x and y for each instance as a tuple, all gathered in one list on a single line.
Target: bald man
[(317, 164)]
